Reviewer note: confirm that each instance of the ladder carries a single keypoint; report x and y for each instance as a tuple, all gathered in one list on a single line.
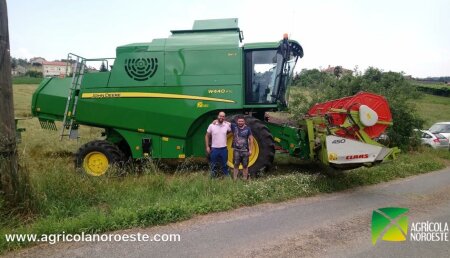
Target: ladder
[(69, 126)]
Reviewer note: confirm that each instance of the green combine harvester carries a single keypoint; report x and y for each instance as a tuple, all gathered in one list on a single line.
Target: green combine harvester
[(158, 99)]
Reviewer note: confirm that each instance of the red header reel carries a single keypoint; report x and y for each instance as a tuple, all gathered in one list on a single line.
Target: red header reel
[(373, 114)]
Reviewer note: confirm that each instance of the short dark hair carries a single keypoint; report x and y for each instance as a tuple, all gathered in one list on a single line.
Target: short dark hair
[(240, 117)]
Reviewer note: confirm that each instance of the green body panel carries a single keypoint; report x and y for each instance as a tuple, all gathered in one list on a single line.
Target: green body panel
[(166, 116), (50, 98), (261, 45), (197, 67), (161, 146), (292, 139), (93, 80), (183, 121), (216, 24)]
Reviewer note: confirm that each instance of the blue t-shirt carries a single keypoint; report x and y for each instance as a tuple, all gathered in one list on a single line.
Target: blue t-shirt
[(240, 137)]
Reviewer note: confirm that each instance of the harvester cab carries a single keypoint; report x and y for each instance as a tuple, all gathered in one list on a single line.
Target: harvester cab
[(268, 70), (159, 98)]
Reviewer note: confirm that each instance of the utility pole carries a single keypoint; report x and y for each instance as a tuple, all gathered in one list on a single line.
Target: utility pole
[(9, 179)]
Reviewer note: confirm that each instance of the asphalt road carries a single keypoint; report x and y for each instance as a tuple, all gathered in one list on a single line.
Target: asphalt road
[(331, 225)]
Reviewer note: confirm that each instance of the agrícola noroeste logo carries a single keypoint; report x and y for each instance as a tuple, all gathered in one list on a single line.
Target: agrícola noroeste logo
[(391, 224)]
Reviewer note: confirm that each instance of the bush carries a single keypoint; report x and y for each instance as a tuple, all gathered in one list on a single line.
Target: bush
[(34, 74), (321, 87), (443, 91), (312, 78)]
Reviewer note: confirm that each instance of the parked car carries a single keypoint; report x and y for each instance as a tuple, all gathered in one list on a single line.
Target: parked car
[(434, 140), (441, 128)]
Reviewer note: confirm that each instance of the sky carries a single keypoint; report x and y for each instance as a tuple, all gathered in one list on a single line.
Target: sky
[(402, 36)]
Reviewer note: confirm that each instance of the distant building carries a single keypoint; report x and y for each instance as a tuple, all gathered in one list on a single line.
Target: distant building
[(55, 69), (331, 70), (408, 77), (18, 71), (36, 67), (37, 60)]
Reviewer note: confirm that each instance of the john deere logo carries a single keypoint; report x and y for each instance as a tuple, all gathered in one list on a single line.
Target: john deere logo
[(141, 69), (389, 224)]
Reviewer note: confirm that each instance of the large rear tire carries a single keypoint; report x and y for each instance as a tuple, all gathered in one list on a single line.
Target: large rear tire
[(96, 158), (263, 151)]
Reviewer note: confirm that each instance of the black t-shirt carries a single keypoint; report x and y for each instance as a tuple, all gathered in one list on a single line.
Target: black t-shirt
[(240, 137)]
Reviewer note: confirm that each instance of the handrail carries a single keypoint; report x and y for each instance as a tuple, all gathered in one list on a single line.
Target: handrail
[(84, 60)]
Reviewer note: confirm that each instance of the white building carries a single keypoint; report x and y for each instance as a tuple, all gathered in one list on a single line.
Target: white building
[(37, 60), (53, 69), (18, 71)]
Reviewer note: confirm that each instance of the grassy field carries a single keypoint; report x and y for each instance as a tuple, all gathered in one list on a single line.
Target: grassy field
[(65, 200), (433, 109), (436, 85), (26, 80)]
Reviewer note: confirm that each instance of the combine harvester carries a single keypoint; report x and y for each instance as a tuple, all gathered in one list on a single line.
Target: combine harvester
[(159, 98)]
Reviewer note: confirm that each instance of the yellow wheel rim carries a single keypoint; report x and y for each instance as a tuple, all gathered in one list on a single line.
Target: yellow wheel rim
[(251, 160), (95, 163)]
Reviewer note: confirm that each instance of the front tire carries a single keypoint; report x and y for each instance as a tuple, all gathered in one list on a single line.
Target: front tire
[(96, 158)]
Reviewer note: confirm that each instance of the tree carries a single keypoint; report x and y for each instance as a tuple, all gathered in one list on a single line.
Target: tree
[(103, 67), (22, 62), (311, 78), (338, 71), (34, 74)]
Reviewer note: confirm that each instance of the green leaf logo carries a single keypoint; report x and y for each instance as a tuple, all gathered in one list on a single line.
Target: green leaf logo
[(389, 224)]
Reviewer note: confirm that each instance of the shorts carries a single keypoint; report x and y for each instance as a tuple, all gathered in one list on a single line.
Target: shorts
[(240, 157)]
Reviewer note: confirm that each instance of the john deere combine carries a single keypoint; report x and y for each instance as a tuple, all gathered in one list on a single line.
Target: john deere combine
[(159, 97)]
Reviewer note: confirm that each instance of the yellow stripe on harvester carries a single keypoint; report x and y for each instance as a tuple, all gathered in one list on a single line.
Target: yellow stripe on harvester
[(102, 95)]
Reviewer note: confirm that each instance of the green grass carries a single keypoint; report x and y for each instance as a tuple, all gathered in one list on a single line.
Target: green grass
[(26, 80), (22, 99), (433, 109), (65, 200)]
